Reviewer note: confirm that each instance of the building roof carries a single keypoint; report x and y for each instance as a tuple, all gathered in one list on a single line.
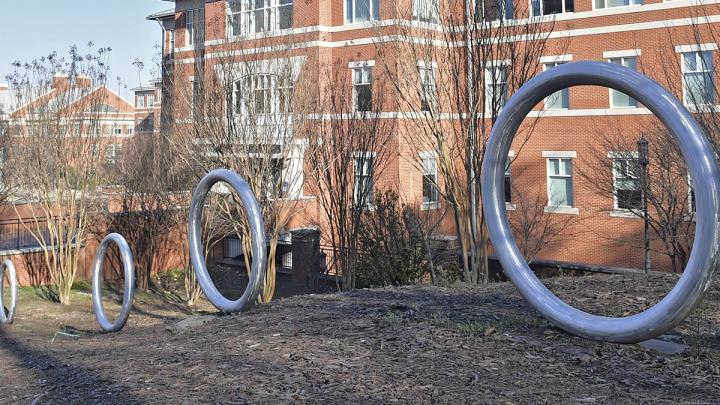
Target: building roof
[(161, 15)]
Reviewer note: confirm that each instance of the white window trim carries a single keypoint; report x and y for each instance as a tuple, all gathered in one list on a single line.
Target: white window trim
[(274, 21), (615, 7), (436, 204), (617, 211), (361, 64), (687, 103), (559, 209), (494, 64), (436, 11), (423, 64), (373, 12), (696, 48), (559, 154), (625, 53), (620, 55), (556, 58), (530, 10)]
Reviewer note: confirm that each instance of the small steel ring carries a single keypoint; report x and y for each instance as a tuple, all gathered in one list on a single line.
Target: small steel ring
[(702, 166), (129, 291), (257, 234), (8, 317)]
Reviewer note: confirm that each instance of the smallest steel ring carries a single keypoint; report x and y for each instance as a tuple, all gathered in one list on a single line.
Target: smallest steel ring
[(9, 317), (257, 235), (129, 291)]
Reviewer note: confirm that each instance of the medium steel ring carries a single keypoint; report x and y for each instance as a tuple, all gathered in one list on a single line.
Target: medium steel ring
[(129, 288), (8, 317), (257, 234), (702, 166)]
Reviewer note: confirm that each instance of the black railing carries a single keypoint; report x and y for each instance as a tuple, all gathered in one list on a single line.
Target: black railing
[(15, 235)]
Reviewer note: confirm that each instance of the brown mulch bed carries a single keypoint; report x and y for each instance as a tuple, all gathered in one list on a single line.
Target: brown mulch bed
[(417, 344)]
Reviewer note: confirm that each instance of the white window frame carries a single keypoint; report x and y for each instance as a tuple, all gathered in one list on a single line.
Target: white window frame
[(274, 88), (362, 67), (622, 57), (140, 101), (362, 156), (374, 11), (532, 14), (698, 52), (490, 81), (428, 90), (614, 156), (151, 100), (549, 62), (562, 155), (427, 11), (633, 3), (247, 15), (194, 26), (479, 13), (430, 204)]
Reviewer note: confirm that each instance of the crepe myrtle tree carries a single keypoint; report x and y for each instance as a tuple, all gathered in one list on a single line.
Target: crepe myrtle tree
[(349, 148), (452, 81), (52, 133), (242, 114)]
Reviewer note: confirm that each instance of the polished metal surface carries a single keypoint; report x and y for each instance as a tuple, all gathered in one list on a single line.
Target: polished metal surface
[(129, 291), (257, 234), (8, 267), (702, 166)]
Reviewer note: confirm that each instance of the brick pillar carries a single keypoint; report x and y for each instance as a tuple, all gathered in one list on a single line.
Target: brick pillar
[(305, 255)]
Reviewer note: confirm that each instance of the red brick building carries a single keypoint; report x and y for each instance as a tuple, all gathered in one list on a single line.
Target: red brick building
[(671, 41)]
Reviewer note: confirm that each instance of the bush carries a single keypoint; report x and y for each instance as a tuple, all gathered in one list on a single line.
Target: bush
[(393, 252)]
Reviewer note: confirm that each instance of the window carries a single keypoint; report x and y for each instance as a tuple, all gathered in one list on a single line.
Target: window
[(508, 182), (560, 187), (363, 188), (140, 101), (691, 195), (262, 94), (560, 100), (151, 100), (94, 150), (428, 87), (615, 3), (547, 7), (426, 10), (171, 40), (247, 17), (362, 89), (628, 193), (431, 193), (619, 99), (698, 87), (361, 10), (492, 10), (196, 95), (117, 130), (195, 26), (496, 88), (113, 152)]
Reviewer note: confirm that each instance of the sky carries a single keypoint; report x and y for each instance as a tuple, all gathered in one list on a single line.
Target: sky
[(30, 29)]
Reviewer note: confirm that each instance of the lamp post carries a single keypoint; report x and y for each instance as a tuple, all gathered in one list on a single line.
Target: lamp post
[(644, 162)]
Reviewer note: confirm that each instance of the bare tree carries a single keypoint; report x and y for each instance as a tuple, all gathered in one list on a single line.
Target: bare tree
[(453, 76), (55, 131), (349, 142)]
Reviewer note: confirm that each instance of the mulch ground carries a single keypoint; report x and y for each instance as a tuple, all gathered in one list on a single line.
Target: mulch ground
[(418, 344)]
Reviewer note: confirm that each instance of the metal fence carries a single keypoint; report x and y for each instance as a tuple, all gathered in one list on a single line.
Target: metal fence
[(14, 234)]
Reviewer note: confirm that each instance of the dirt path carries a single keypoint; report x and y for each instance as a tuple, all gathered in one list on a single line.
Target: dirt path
[(410, 345)]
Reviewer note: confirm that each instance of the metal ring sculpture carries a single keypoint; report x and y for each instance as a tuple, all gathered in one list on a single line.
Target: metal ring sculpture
[(696, 279), (9, 317), (129, 291), (257, 233)]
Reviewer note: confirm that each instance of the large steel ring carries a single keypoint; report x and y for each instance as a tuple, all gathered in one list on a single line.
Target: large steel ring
[(8, 317), (129, 291), (257, 234), (696, 279)]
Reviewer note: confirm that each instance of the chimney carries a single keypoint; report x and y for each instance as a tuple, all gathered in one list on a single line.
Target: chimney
[(60, 81), (83, 81)]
